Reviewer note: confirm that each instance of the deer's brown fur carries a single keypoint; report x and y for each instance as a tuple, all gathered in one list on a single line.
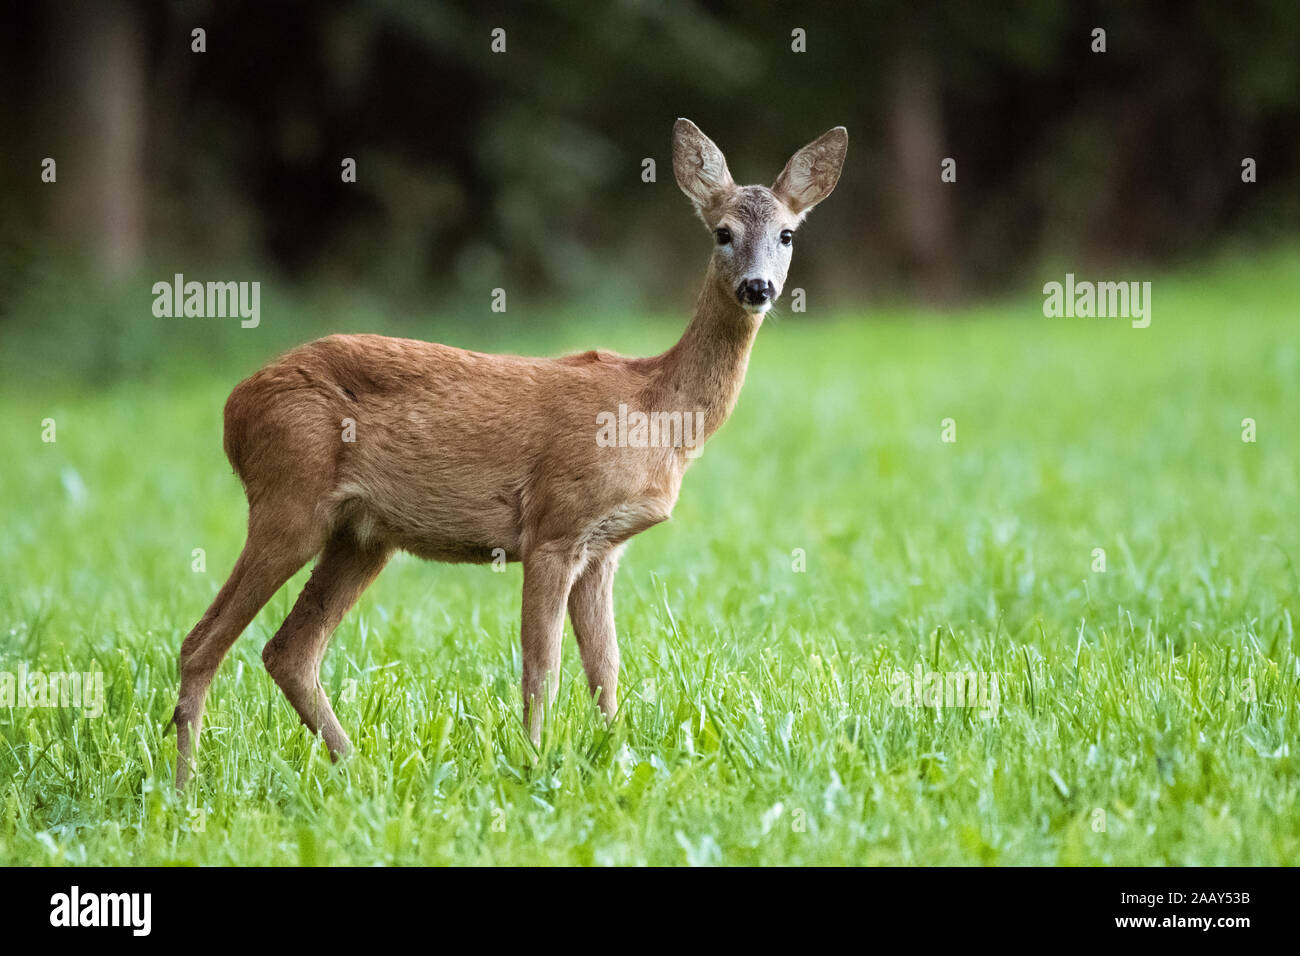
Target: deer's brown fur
[(457, 454)]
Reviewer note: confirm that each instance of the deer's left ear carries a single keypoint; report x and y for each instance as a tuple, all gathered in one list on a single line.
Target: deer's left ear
[(699, 166), (813, 172)]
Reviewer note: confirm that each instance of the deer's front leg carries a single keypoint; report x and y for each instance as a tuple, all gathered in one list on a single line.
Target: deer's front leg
[(548, 576), (591, 609)]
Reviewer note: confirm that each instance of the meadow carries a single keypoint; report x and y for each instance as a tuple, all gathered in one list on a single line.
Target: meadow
[(1098, 539)]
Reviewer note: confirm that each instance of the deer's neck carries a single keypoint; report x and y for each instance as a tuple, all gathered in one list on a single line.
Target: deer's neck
[(704, 371)]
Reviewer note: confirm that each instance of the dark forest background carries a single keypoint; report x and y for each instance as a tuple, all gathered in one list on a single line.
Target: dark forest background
[(523, 169)]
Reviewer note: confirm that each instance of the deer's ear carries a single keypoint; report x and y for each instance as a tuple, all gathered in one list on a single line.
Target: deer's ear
[(813, 172), (699, 166)]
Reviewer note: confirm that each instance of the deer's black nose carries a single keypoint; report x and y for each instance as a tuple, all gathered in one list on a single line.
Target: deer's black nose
[(755, 291)]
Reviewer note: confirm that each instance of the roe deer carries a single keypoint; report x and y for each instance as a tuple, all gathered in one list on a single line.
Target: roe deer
[(456, 454)]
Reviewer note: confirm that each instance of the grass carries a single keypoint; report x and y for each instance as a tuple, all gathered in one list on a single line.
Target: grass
[(1146, 712)]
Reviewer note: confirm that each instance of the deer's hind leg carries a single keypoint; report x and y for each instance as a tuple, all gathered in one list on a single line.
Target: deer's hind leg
[(279, 543), (293, 657)]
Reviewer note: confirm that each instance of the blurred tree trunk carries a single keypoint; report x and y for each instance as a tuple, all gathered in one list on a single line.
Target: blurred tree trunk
[(98, 84), (918, 140)]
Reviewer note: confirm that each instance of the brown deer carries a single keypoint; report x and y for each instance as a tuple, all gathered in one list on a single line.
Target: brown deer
[(353, 446)]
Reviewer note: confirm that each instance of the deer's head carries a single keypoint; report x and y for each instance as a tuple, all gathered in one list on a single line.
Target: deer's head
[(753, 226)]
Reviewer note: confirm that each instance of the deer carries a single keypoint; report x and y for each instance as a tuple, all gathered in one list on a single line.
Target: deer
[(461, 456)]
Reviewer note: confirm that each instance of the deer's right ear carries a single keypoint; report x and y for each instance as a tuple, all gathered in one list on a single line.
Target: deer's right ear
[(699, 166), (813, 172)]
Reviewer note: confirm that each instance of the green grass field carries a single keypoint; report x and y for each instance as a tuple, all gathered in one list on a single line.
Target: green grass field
[(1148, 713)]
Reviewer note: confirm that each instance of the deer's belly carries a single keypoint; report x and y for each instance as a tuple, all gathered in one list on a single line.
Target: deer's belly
[(446, 522)]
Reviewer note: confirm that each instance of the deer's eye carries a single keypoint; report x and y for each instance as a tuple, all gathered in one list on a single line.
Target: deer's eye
[(787, 237), (724, 236)]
